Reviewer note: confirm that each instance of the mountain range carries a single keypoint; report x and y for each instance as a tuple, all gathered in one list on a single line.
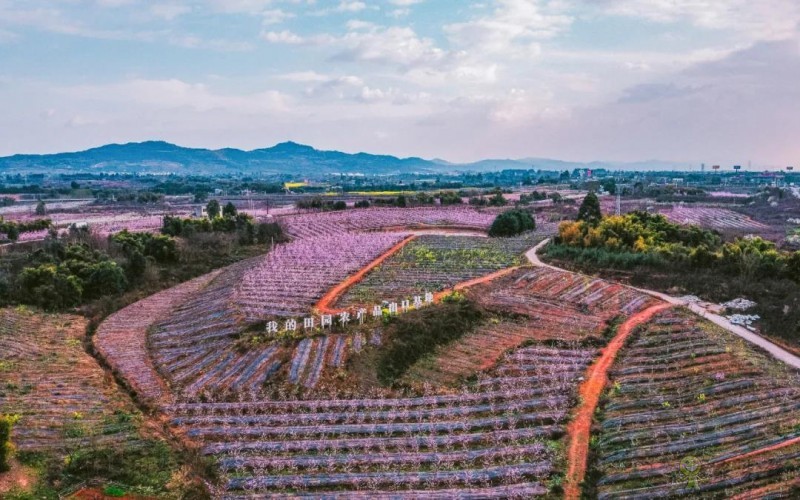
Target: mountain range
[(158, 157)]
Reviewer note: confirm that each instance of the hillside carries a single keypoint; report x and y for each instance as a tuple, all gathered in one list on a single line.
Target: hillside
[(158, 157)]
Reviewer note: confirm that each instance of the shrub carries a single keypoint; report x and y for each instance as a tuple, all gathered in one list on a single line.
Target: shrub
[(417, 333), (590, 210), (512, 223), (213, 209), (105, 278), (229, 210), (50, 287)]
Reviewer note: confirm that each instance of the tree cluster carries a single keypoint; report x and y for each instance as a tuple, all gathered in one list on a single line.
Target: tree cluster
[(512, 223)]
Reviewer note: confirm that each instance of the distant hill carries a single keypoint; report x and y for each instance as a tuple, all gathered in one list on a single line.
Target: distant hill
[(158, 157)]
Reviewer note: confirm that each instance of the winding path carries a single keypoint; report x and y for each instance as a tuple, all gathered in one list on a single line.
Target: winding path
[(774, 350), (579, 429)]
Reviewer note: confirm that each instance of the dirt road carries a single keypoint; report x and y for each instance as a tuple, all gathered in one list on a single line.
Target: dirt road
[(774, 350)]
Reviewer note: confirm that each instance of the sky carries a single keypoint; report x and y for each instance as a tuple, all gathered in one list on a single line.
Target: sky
[(713, 81)]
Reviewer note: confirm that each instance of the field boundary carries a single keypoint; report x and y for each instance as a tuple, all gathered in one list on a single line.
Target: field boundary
[(325, 304), (580, 427), (774, 350)]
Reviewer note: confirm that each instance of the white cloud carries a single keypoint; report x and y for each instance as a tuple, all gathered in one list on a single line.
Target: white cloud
[(175, 93), (755, 20), (275, 16), (513, 28), (285, 36), (351, 6)]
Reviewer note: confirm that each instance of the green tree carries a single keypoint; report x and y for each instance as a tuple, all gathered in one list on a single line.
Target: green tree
[(590, 210), (512, 223), (229, 210), (497, 200), (50, 287), (339, 205), (401, 201), (105, 278), (793, 266), (41, 208), (212, 209)]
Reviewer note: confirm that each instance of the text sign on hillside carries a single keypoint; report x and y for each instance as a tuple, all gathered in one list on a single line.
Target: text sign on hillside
[(344, 318)]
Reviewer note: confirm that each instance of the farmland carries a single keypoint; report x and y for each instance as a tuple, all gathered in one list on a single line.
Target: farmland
[(713, 218), (497, 438), (449, 366), (433, 263), (685, 394), (74, 421)]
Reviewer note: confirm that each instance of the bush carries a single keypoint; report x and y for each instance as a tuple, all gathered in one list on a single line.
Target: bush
[(229, 210), (512, 223), (50, 287), (450, 198), (590, 210), (362, 204), (105, 278)]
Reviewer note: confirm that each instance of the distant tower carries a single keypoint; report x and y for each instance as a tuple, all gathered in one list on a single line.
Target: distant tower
[(702, 168)]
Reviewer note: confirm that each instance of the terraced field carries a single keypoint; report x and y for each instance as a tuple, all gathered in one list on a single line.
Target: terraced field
[(315, 225), (564, 303), (64, 398), (432, 263), (693, 411), (494, 439), (545, 305)]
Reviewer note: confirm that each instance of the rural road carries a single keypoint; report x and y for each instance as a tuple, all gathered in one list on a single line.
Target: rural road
[(774, 350)]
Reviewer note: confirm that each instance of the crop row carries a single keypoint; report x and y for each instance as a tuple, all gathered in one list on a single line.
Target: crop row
[(336, 223), (705, 399), (292, 277), (62, 396), (712, 218), (429, 442), (581, 300), (436, 262)]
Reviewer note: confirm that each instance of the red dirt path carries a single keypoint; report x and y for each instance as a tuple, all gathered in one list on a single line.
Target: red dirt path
[(325, 304), (476, 281), (761, 451), (579, 429)]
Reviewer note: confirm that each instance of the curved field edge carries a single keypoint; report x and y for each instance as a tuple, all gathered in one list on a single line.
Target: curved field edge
[(121, 340), (685, 388), (326, 304)]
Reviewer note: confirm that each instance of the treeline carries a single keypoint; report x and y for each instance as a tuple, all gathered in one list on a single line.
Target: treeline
[(225, 220), (668, 256), (400, 201), (62, 274), (633, 236)]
